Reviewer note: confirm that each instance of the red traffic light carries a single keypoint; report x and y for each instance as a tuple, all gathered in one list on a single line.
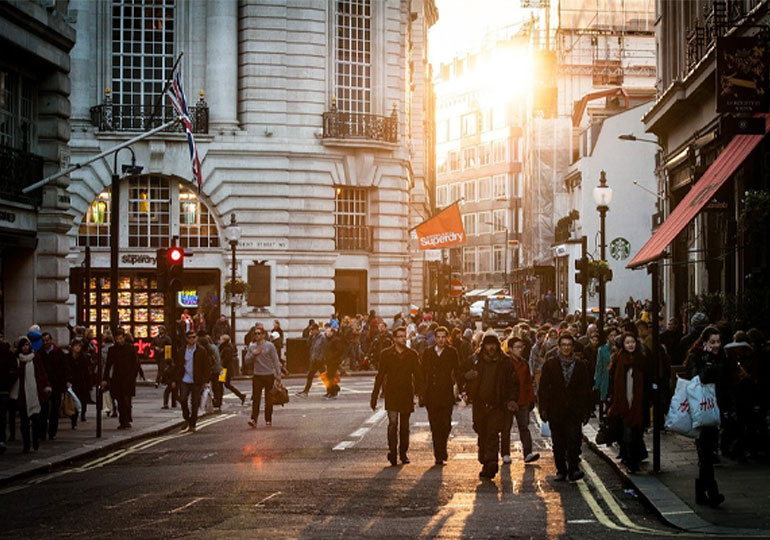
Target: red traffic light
[(175, 254)]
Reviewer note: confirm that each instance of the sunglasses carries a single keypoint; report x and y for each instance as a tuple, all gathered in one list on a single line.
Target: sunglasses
[(191, 337)]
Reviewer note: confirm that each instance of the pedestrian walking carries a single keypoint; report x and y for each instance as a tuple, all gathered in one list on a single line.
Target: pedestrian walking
[(400, 376), (80, 376), (29, 392), (332, 358), (706, 359), (192, 370), (120, 376), (267, 374), (56, 369), (493, 391), (9, 374), (525, 402), (316, 355), (217, 388), (564, 401), (440, 371), (162, 346), (229, 357)]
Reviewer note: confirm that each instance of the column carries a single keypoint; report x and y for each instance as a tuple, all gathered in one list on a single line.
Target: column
[(222, 64)]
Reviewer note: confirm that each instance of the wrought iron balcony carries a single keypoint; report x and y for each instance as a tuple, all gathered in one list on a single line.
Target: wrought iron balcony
[(371, 127), (353, 238), (112, 117), (718, 18), (696, 43), (18, 169)]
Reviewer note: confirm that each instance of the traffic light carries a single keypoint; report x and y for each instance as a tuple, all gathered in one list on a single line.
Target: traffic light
[(445, 280), (581, 271), (161, 264), (175, 262)]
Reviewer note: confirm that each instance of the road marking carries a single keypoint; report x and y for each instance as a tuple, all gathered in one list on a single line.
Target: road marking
[(268, 498), (196, 500), (344, 445), (360, 432), (113, 506), (376, 417)]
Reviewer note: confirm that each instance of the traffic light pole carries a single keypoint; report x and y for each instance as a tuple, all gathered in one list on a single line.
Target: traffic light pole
[(584, 284)]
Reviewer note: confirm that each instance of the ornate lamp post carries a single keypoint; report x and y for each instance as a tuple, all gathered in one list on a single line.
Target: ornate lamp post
[(233, 235), (602, 198)]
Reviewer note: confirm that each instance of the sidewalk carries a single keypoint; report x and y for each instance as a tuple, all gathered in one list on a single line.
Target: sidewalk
[(149, 420), (671, 493)]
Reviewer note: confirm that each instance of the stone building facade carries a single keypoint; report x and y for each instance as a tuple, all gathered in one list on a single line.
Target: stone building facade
[(308, 125)]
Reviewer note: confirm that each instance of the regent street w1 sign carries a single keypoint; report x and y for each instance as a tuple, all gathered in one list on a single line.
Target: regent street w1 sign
[(743, 77)]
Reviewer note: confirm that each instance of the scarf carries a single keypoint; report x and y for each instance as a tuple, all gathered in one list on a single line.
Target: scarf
[(30, 383), (567, 367)]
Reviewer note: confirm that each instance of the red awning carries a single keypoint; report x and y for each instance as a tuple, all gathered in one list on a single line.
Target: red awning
[(717, 174)]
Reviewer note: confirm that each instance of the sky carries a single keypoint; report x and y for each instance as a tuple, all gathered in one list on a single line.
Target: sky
[(462, 25)]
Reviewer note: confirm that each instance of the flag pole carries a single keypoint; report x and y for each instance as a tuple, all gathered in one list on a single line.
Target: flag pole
[(165, 89)]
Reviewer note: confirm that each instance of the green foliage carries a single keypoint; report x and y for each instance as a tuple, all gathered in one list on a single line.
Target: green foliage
[(599, 269), (240, 287), (755, 216)]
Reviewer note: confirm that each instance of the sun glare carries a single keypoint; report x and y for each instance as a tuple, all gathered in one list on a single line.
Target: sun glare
[(507, 74)]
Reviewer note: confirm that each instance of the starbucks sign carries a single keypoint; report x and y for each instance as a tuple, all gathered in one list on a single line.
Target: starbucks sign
[(620, 249)]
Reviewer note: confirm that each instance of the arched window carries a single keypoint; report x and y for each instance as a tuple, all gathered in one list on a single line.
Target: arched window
[(157, 208)]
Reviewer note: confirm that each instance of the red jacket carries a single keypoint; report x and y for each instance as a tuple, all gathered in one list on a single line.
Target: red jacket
[(526, 390)]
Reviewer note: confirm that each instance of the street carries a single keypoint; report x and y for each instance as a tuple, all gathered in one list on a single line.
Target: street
[(319, 472)]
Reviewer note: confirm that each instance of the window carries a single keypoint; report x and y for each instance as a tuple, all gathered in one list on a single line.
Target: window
[(484, 154), (17, 111), (94, 230), (500, 220), (350, 209), (469, 260), (469, 191), (498, 151), (519, 220), (469, 157), (454, 192), (454, 129), (484, 256), (517, 185), (441, 195), (515, 156), (487, 120), (454, 161), (149, 212), (469, 224), (469, 124), (142, 58), (485, 222), (353, 62), (498, 259), (485, 188), (197, 228), (500, 186)]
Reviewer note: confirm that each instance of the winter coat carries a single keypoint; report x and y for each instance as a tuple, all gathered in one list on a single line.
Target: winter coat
[(121, 369), (227, 355), (602, 371), (202, 363), (506, 385), (561, 402), (524, 377), (401, 375), (440, 373), (80, 374), (56, 368), (9, 368), (633, 414), (41, 379)]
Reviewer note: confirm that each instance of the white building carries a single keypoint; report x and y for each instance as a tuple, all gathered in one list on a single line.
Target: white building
[(309, 130)]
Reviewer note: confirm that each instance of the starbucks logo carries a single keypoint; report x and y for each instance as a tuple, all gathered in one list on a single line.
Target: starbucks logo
[(620, 249)]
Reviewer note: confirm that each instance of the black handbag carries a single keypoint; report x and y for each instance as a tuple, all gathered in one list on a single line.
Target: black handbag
[(278, 395), (609, 431)]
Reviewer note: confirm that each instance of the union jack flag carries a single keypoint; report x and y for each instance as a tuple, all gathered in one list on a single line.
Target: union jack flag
[(179, 102)]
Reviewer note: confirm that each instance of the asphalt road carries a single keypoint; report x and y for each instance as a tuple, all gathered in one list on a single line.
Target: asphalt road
[(319, 472)]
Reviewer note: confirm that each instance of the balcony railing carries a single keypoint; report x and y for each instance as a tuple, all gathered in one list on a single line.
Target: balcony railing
[(112, 117), (18, 169), (371, 127), (719, 16), (353, 238)]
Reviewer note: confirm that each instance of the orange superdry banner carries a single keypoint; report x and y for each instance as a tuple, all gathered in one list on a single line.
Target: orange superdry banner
[(442, 230)]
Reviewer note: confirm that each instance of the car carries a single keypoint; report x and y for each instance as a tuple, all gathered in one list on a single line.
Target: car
[(477, 309), (499, 310), (594, 312)]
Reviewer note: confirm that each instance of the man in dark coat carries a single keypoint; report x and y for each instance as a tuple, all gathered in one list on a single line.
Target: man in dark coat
[(494, 389), (440, 371), (564, 399), (192, 364), (9, 373), (56, 368), (400, 372), (333, 358), (120, 375)]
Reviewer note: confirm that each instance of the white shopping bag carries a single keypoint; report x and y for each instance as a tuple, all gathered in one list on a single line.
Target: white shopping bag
[(78, 405), (207, 400), (703, 403), (545, 430), (678, 419)]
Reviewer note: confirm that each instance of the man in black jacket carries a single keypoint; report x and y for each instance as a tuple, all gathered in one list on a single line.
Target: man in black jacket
[(440, 371), (58, 374), (494, 388), (564, 400), (400, 372), (193, 370), (120, 375), (9, 372)]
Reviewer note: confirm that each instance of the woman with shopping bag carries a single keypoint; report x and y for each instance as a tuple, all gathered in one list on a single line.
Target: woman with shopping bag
[(706, 360)]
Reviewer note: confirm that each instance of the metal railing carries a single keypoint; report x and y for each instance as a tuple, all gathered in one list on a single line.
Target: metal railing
[(373, 127), (18, 169), (353, 237), (111, 117), (719, 16)]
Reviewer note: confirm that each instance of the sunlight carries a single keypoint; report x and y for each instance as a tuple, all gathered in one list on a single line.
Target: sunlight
[(507, 74)]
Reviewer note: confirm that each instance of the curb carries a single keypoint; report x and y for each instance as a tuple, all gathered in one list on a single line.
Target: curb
[(667, 505), (38, 467)]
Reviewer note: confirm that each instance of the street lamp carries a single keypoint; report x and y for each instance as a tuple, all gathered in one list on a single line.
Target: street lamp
[(233, 235), (633, 138), (602, 198)]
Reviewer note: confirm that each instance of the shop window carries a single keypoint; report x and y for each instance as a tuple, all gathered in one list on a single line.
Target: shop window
[(149, 212), (94, 230), (197, 228)]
